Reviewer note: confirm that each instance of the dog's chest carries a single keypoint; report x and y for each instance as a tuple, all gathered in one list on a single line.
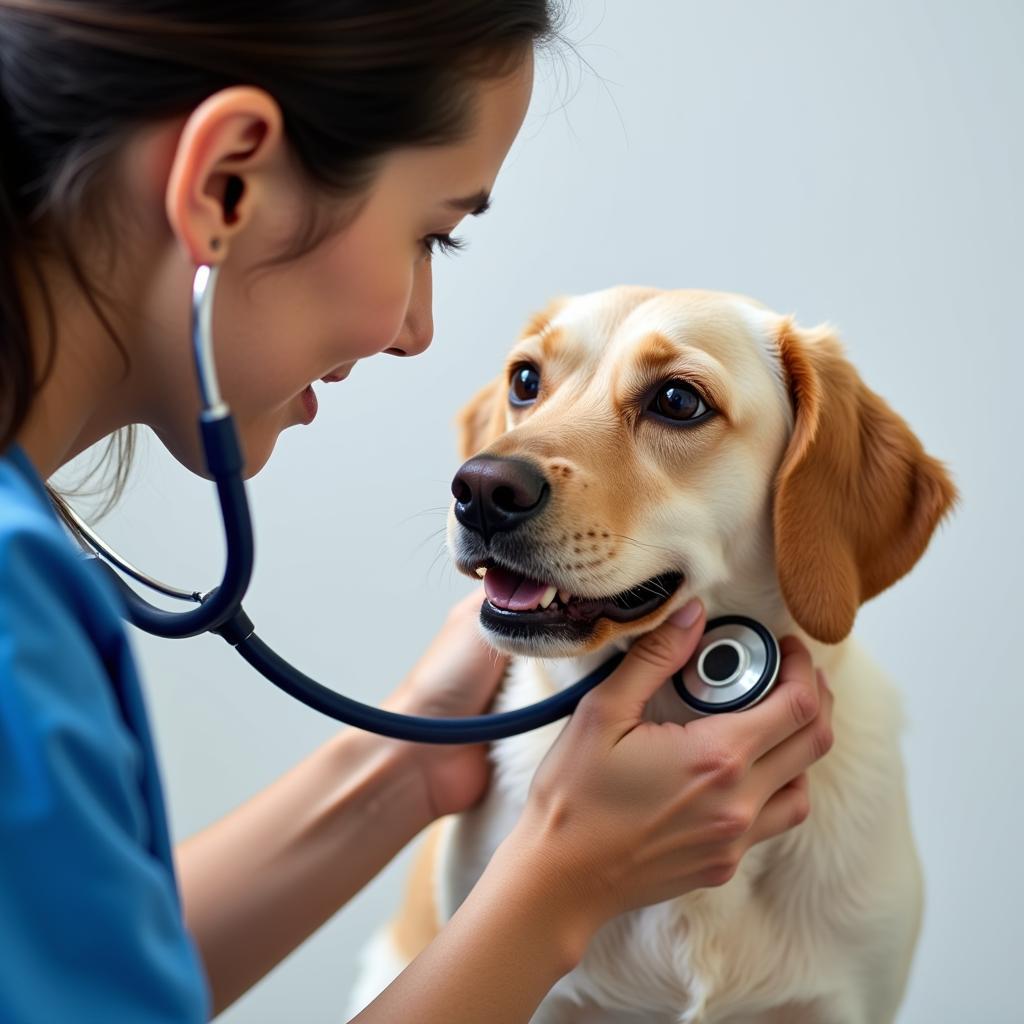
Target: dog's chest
[(473, 836)]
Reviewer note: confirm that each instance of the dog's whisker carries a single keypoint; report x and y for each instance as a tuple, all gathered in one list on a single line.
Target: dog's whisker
[(656, 591), (437, 510), (442, 550), (430, 536), (643, 544)]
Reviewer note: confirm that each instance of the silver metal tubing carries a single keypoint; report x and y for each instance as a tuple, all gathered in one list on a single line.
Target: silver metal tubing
[(203, 287), (89, 539)]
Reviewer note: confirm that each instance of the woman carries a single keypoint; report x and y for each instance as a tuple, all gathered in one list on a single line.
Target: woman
[(318, 152)]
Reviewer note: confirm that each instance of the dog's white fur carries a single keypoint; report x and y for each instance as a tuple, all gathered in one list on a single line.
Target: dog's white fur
[(818, 925)]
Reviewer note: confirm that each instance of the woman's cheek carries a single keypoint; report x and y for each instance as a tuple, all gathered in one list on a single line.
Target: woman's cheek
[(382, 317)]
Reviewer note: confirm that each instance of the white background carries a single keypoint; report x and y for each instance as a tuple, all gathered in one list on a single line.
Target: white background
[(853, 162)]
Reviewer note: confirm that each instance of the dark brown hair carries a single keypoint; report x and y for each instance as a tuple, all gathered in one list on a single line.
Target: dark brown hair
[(354, 79)]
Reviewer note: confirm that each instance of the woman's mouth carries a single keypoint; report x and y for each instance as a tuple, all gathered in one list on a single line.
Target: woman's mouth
[(339, 374), (309, 403)]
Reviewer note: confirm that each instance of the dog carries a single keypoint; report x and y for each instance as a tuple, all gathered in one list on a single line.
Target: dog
[(640, 447)]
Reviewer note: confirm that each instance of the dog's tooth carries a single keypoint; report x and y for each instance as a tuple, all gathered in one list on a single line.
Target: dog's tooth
[(549, 596), (564, 596), (481, 571)]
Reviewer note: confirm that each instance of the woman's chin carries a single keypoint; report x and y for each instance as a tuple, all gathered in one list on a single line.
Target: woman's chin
[(256, 454), (257, 446)]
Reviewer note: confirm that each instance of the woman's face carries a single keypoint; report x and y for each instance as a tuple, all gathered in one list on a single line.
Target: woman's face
[(364, 290)]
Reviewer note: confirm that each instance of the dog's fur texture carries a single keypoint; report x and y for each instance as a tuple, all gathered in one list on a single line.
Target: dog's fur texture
[(803, 497)]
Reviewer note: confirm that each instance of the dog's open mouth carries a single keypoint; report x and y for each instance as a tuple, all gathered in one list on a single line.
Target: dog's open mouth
[(517, 603)]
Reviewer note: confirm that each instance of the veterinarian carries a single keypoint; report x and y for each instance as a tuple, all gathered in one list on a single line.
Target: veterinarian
[(317, 152)]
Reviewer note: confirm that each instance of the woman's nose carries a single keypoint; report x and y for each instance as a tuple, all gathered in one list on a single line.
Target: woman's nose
[(415, 337), (418, 330)]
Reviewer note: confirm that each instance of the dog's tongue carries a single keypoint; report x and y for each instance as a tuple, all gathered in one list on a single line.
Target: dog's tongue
[(512, 592)]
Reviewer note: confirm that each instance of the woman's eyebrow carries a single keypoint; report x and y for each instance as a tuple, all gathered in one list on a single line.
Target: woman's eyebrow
[(479, 202)]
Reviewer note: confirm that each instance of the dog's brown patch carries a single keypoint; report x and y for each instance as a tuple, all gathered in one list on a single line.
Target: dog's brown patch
[(654, 353), (482, 418), (417, 922), (540, 323)]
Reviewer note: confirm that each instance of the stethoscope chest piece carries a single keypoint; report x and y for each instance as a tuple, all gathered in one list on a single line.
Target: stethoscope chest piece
[(736, 663)]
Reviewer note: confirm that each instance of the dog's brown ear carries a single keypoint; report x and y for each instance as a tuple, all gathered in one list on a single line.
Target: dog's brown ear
[(856, 497), (482, 419)]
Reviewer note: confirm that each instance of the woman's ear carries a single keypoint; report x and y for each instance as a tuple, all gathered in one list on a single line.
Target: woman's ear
[(856, 497), (218, 167), (482, 419)]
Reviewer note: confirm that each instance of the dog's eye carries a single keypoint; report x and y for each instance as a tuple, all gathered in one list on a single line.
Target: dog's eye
[(678, 401), (525, 385)]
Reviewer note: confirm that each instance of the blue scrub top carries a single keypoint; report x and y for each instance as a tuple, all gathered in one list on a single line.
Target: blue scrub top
[(91, 928)]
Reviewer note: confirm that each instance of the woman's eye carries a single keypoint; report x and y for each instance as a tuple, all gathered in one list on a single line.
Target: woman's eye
[(525, 385), (447, 244), (678, 401)]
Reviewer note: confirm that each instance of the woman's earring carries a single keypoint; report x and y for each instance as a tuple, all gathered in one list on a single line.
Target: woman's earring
[(214, 244)]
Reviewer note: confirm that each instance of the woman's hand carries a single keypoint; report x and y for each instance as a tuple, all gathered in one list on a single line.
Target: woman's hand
[(623, 812), (457, 676)]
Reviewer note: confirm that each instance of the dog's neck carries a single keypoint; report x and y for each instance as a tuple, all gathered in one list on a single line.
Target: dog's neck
[(748, 584)]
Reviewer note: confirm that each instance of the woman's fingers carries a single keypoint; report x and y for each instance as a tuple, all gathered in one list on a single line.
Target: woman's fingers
[(795, 755), (791, 706), (621, 698), (782, 772), (787, 807)]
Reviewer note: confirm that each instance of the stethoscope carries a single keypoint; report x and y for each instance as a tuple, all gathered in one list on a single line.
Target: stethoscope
[(735, 665)]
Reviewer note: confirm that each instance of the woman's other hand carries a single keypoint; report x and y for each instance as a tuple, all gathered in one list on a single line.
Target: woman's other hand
[(458, 675)]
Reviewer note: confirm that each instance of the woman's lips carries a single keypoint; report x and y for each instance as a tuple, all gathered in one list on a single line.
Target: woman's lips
[(336, 375), (308, 396), (309, 403)]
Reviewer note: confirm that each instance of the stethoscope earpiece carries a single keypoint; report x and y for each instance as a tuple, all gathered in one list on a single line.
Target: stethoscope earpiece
[(736, 663)]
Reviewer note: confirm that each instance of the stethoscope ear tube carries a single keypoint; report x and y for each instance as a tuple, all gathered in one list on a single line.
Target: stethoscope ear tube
[(224, 461)]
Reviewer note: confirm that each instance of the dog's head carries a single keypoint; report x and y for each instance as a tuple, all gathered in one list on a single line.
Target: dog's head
[(643, 446)]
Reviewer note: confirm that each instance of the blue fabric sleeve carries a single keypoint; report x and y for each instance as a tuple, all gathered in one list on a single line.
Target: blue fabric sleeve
[(90, 922)]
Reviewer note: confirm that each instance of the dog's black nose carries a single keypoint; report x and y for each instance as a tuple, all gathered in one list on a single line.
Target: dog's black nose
[(494, 494)]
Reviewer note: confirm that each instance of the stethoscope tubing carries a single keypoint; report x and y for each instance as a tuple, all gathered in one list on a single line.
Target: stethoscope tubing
[(415, 728)]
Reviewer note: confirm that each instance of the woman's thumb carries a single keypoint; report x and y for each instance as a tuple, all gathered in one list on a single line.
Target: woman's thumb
[(652, 660)]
